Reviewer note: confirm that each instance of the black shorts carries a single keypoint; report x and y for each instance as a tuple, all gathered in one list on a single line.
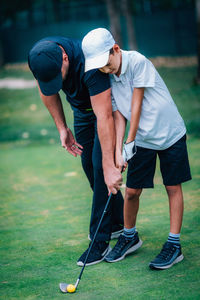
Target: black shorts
[(174, 166)]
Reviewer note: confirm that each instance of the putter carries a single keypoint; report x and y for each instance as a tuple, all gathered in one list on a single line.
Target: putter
[(64, 286)]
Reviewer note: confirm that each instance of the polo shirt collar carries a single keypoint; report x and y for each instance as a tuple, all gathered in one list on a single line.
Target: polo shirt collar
[(124, 65)]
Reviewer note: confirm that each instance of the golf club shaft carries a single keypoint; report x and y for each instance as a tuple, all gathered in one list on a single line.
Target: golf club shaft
[(92, 242)]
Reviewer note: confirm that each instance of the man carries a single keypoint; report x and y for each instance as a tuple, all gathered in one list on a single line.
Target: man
[(58, 63)]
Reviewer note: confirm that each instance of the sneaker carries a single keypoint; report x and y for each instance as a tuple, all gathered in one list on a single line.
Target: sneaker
[(170, 254), (123, 247), (97, 254), (114, 234)]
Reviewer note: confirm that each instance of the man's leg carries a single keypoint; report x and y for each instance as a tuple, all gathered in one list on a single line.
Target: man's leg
[(114, 215), (84, 133), (91, 158), (84, 126)]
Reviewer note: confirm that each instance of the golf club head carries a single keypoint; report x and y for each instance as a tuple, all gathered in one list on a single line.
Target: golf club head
[(63, 287)]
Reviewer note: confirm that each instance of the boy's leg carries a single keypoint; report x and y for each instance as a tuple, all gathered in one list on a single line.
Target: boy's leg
[(176, 206), (129, 241), (175, 169), (131, 206), (141, 169)]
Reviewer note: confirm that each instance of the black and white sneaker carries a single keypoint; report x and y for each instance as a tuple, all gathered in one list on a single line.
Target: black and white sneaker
[(170, 254), (97, 254), (123, 247)]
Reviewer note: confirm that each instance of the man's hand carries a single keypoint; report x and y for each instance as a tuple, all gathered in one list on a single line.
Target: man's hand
[(113, 179), (68, 142)]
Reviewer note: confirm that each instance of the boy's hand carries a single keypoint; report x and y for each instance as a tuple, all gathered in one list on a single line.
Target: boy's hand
[(68, 142), (129, 150)]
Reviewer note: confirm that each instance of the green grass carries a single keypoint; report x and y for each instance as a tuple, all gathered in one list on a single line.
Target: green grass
[(186, 95), (45, 210)]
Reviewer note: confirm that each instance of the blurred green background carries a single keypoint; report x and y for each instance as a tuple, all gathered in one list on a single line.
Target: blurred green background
[(45, 199), (154, 27)]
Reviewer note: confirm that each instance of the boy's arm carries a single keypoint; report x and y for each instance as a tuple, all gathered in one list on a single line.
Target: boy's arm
[(136, 106), (101, 104), (129, 149), (120, 126), (54, 106)]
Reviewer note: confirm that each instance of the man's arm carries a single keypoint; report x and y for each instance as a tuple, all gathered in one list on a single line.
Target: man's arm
[(54, 106), (101, 104), (120, 126)]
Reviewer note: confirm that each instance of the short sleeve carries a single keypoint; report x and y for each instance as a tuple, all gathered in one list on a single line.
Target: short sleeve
[(143, 73), (96, 82)]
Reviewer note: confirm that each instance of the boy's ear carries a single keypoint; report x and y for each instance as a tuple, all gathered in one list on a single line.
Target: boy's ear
[(116, 48)]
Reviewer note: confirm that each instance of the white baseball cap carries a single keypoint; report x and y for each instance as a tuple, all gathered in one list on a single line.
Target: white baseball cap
[(96, 47)]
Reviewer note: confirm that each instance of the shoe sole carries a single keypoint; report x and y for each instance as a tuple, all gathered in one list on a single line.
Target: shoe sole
[(80, 263), (177, 260), (129, 251), (114, 235)]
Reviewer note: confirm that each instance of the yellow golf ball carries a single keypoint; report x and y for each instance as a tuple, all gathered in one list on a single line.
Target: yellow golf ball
[(71, 288)]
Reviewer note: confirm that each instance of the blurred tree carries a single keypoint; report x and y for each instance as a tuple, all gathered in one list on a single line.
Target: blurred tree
[(115, 10), (9, 9), (129, 24), (114, 16), (198, 40), (1, 54)]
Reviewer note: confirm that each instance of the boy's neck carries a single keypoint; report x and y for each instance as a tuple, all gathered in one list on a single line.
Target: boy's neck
[(120, 67)]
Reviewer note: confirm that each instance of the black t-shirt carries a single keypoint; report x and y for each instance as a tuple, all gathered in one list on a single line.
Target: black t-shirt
[(79, 86)]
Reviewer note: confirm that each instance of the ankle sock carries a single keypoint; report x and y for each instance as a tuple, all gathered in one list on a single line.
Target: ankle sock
[(174, 238), (129, 233)]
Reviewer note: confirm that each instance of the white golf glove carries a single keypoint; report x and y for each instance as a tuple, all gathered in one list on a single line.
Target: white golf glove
[(129, 151)]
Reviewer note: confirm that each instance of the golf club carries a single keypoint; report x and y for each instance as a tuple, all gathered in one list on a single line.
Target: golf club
[(70, 288)]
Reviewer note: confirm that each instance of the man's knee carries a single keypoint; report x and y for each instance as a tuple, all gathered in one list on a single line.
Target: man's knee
[(133, 194)]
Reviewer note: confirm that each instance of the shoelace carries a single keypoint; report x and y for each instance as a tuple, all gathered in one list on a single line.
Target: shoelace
[(120, 244), (166, 251)]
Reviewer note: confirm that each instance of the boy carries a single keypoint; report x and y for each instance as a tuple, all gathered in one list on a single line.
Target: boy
[(156, 128)]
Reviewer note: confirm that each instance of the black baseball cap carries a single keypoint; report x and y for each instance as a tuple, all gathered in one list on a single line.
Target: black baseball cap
[(45, 61)]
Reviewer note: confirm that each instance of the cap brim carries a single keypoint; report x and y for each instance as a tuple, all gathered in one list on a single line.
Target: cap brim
[(97, 62), (51, 87)]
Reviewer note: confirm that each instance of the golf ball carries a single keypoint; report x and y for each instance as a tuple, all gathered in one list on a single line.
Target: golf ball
[(71, 288)]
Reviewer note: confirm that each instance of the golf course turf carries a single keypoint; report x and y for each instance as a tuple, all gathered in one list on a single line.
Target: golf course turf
[(46, 200)]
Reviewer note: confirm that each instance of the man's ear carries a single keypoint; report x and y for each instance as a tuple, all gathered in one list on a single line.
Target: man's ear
[(65, 57)]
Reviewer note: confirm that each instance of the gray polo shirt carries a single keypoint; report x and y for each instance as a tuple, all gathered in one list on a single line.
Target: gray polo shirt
[(160, 123)]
